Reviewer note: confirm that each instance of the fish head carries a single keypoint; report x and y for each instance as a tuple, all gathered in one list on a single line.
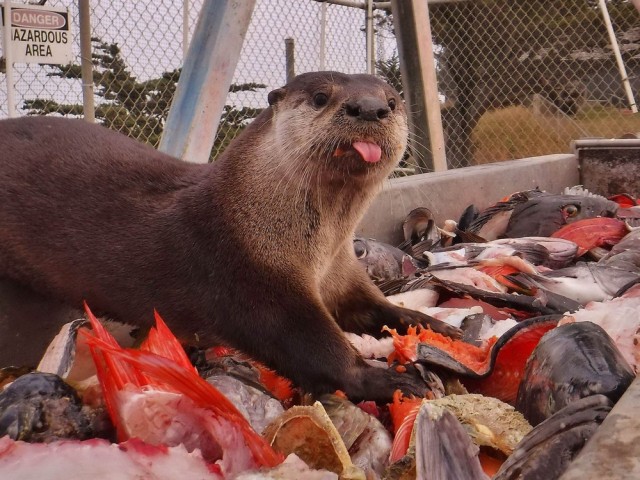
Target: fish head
[(543, 215), (381, 261)]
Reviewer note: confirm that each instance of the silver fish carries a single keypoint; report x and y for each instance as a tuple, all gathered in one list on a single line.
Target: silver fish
[(381, 260)]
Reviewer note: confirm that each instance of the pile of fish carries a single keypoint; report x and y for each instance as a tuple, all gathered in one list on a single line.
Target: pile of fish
[(545, 287)]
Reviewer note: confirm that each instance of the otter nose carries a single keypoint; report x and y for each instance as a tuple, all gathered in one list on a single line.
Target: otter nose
[(367, 108)]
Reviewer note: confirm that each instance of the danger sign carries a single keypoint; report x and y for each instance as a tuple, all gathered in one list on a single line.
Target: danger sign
[(39, 34)]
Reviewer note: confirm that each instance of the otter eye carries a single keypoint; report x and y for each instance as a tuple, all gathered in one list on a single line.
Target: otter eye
[(571, 210), (360, 248), (392, 104), (320, 99)]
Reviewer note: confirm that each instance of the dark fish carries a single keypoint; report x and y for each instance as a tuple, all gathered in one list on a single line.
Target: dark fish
[(542, 215), (41, 407), (547, 450), (492, 222), (573, 361)]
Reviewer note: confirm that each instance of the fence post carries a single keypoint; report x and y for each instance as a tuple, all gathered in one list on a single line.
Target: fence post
[(371, 58), (417, 64), (86, 61), (8, 60), (185, 29), (323, 35), (616, 52), (192, 123), (290, 58)]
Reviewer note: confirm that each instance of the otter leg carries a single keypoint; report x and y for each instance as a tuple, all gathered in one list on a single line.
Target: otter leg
[(297, 337), (360, 307)]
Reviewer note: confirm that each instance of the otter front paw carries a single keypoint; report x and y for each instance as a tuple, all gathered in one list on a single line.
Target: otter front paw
[(379, 384), (400, 319)]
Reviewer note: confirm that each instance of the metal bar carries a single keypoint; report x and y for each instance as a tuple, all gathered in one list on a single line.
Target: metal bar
[(290, 59), (323, 35), (371, 62), (417, 64), (384, 5), (352, 4), (88, 105), (614, 450), (605, 143), (185, 29), (616, 52), (213, 54), (8, 58)]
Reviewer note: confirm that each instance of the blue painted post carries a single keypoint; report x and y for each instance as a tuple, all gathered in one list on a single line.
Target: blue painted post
[(205, 79)]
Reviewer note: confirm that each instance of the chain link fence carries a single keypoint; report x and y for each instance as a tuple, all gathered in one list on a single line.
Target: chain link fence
[(516, 78), (524, 78)]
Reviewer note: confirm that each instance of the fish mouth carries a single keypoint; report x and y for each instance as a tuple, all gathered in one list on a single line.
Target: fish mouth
[(367, 150)]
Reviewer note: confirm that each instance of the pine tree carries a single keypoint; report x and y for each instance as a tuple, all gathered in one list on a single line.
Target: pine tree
[(137, 109)]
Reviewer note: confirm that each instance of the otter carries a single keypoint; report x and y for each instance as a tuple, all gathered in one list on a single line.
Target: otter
[(253, 250)]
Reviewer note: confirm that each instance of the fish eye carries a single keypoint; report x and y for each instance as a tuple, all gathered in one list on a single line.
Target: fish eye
[(392, 104), (360, 249), (320, 99), (571, 210)]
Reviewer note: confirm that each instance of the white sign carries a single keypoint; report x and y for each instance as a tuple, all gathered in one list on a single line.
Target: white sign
[(39, 34)]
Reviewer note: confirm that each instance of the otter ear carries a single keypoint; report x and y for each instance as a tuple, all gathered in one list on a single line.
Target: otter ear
[(276, 95)]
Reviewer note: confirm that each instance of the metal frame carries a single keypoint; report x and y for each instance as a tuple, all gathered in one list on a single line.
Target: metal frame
[(214, 51)]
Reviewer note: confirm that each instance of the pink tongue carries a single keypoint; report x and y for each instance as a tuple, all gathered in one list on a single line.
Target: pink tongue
[(370, 152)]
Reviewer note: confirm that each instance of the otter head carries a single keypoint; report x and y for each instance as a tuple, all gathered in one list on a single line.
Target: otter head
[(339, 124)]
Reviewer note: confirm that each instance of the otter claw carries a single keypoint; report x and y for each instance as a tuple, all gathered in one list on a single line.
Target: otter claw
[(444, 328)]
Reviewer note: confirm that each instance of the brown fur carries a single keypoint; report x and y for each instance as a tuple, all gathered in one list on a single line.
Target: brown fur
[(254, 250)]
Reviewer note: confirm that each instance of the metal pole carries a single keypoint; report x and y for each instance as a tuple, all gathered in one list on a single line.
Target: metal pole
[(290, 58), (214, 51), (8, 58), (417, 64), (369, 27), (323, 35), (86, 63), (616, 52), (185, 29), (361, 5)]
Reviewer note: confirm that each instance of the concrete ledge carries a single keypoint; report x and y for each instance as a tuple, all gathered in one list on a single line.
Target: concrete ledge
[(614, 450), (448, 193)]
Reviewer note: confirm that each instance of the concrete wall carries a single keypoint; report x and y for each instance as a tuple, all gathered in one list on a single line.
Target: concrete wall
[(448, 193)]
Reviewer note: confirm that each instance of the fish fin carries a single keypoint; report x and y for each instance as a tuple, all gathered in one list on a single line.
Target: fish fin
[(468, 216), (523, 282), (188, 383), (113, 373), (163, 342), (468, 237)]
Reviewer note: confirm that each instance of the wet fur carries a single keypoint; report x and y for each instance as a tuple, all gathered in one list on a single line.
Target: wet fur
[(254, 250)]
